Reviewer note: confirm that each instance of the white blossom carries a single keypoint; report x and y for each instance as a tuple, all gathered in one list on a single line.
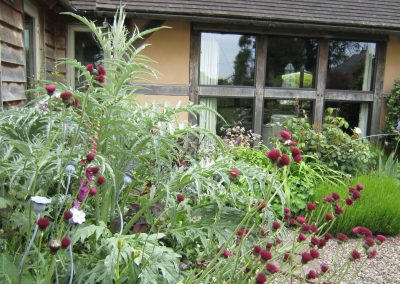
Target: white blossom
[(357, 130), (78, 216)]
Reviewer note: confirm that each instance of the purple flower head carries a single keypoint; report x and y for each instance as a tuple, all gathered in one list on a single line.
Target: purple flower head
[(76, 204), (83, 192), (398, 126)]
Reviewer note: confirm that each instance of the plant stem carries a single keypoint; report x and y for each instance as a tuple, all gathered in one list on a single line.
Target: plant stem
[(21, 264), (71, 264)]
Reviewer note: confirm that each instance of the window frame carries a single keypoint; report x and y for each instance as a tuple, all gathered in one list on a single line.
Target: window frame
[(319, 94), (72, 29), (32, 11)]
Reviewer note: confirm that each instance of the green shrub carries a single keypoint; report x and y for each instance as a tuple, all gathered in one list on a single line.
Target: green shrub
[(378, 209), (393, 117), (332, 145)]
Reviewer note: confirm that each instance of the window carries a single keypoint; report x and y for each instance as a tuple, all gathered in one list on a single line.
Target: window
[(277, 112), (356, 114), (83, 47), (235, 111), (291, 62), (31, 44), (227, 59), (351, 65)]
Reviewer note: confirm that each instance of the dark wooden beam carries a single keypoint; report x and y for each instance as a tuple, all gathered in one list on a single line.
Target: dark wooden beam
[(261, 60), (194, 65), (323, 55), (226, 91), (164, 90), (378, 91), (354, 96), (277, 93)]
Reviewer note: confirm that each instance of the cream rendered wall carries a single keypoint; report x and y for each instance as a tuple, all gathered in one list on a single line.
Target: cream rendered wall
[(170, 49), (392, 66)]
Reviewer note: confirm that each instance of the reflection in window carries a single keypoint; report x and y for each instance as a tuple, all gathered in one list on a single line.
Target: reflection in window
[(227, 59), (351, 65), (86, 50), (235, 111), (276, 112), (29, 47), (291, 62), (356, 114)]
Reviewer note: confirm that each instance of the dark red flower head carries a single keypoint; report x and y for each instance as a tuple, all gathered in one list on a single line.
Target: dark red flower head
[(324, 267), (349, 201), (338, 210), (65, 242), (328, 198), (101, 79), (306, 257), (306, 228), (256, 249), (361, 231), (297, 159), (322, 243), (286, 210), (301, 237), (368, 242), (284, 160), (93, 170), (50, 89), (314, 241), (226, 253), (261, 278), (90, 67), (335, 195), (276, 225), (265, 254), (311, 206), (92, 191), (292, 143), (90, 157), (67, 214), (235, 172), (101, 180), (272, 268), (355, 254), (301, 219), (328, 236), (101, 70), (269, 245), (286, 256), (329, 217), (65, 96), (314, 253), (295, 151), (355, 194), (180, 197), (285, 134), (360, 187), (43, 223), (261, 204), (342, 237), (380, 239), (312, 274), (273, 154)]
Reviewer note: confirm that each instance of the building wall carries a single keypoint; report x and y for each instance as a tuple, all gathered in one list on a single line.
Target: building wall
[(170, 51), (392, 67)]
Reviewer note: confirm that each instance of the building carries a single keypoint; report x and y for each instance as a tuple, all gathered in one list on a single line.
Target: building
[(256, 61)]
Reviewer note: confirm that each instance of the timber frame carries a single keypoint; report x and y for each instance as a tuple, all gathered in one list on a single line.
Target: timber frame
[(318, 95)]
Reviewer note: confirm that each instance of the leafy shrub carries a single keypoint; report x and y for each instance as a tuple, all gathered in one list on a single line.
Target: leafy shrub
[(379, 209), (332, 145), (392, 122)]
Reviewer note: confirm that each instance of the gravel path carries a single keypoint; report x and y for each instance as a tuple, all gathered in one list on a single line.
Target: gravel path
[(384, 268)]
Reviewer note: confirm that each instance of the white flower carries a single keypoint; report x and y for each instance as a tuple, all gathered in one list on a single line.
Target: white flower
[(40, 203), (78, 216), (357, 130)]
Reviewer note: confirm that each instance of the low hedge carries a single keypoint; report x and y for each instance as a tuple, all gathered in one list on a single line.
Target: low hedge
[(378, 209)]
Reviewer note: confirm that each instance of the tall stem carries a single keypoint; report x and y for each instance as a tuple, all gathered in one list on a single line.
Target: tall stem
[(21, 263), (71, 264)]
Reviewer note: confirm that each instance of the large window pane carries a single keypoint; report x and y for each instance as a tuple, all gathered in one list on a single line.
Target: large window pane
[(227, 59), (276, 112), (235, 111), (291, 62), (351, 65)]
